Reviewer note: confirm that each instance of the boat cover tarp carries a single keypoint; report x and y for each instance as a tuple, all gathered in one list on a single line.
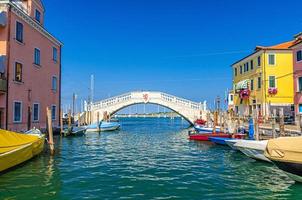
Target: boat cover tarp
[(286, 149), (10, 140)]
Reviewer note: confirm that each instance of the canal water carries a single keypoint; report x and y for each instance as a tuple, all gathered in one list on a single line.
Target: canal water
[(149, 158)]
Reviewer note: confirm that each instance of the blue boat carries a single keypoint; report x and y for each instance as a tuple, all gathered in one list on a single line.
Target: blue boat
[(103, 126), (219, 140)]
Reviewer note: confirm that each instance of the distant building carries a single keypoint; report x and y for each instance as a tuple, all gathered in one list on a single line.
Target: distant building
[(297, 59), (263, 80), (30, 66)]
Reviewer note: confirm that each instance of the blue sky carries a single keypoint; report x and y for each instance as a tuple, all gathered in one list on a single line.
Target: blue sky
[(182, 47)]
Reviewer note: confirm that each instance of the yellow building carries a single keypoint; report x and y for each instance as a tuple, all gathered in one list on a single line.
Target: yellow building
[(263, 80)]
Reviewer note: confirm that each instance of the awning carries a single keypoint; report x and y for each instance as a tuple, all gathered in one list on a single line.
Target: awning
[(242, 85)]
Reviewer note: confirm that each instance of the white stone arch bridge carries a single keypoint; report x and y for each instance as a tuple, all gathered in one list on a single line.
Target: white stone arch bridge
[(187, 109)]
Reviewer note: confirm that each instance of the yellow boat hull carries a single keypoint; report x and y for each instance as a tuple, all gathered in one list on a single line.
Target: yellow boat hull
[(21, 153)]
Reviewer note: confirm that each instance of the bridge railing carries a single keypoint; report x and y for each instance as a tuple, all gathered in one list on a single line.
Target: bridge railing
[(181, 101), (133, 96)]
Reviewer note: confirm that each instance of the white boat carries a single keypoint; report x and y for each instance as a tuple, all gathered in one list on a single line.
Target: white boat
[(104, 126), (253, 149), (231, 143), (200, 129)]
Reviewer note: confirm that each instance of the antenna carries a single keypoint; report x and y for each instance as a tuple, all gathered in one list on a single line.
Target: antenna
[(91, 88)]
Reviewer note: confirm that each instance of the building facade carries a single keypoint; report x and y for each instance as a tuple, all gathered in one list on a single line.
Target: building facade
[(263, 80), (297, 60), (30, 67)]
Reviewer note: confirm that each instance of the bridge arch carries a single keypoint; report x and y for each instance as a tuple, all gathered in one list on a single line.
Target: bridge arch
[(187, 109)]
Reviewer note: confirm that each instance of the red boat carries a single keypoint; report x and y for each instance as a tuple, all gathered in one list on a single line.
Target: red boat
[(205, 136)]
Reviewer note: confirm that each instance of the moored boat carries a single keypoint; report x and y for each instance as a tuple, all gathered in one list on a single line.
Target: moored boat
[(286, 154), (253, 149), (74, 131), (16, 148), (223, 141), (203, 129), (207, 136), (103, 126)]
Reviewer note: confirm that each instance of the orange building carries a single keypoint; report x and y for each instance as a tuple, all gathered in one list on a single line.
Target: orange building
[(30, 67)]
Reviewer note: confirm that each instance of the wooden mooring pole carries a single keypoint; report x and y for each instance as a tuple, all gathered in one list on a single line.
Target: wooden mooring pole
[(215, 121), (274, 123), (50, 132), (98, 121), (281, 123), (61, 122), (256, 125)]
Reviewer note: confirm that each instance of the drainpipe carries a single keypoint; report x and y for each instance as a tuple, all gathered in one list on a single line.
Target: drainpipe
[(8, 64), (60, 86), (264, 83)]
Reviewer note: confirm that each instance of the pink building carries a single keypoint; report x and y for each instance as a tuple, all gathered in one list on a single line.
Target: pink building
[(297, 52), (30, 67)]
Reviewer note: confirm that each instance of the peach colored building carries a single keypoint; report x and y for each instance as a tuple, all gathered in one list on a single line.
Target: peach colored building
[(297, 56), (30, 67)]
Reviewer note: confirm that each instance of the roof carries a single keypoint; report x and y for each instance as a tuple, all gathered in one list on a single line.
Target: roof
[(297, 41), (281, 46)]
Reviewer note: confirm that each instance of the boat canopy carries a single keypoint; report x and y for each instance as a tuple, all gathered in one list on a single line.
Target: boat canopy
[(241, 85), (10, 141), (286, 149)]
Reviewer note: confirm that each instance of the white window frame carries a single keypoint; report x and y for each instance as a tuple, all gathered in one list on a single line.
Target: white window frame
[(275, 81), (271, 54), (17, 61), (52, 78), (297, 81), (35, 56), (17, 21), (297, 56), (34, 112), (259, 58), (53, 55), (21, 111), (55, 118), (36, 15)]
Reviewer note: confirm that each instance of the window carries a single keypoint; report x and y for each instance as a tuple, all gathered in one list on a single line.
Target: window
[(235, 71), (240, 69), (232, 97), (271, 59), (53, 112), (18, 72), (19, 32), (259, 61), (300, 108), (38, 16), (54, 54), (252, 64), (36, 112), (252, 84), (299, 55), (37, 59), (300, 84), (17, 111), (259, 82), (54, 84), (272, 82), (247, 66)]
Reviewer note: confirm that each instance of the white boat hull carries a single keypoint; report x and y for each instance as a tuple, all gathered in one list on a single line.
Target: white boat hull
[(113, 128), (253, 149), (231, 143)]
